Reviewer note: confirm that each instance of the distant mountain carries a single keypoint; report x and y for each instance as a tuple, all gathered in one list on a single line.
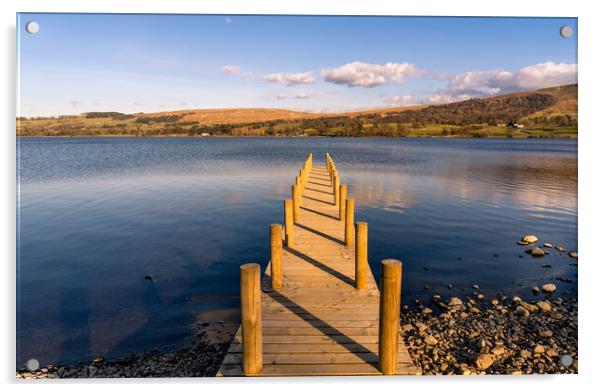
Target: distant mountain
[(550, 112)]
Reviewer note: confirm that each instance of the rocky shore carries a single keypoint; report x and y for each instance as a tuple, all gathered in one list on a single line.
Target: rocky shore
[(200, 359), (467, 336), (495, 336)]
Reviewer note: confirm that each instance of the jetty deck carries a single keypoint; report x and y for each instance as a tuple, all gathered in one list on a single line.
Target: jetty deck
[(318, 323)]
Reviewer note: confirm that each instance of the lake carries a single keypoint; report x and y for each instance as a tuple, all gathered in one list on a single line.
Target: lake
[(96, 215)]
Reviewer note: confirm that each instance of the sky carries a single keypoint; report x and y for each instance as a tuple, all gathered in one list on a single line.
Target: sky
[(78, 63)]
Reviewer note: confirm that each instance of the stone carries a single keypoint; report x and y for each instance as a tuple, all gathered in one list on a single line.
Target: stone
[(549, 288), (539, 349), (551, 353), (407, 328), (475, 286), (431, 340), (573, 255), (544, 306), (498, 350), (427, 311), (546, 333), (528, 239), (537, 252), (525, 354), (455, 301), (436, 298), (484, 361), (494, 302), (480, 297), (516, 299), (535, 290), (152, 278), (530, 307), (520, 311), (560, 249), (547, 245)]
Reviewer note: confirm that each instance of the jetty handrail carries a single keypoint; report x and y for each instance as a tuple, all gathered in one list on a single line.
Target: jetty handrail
[(356, 234)]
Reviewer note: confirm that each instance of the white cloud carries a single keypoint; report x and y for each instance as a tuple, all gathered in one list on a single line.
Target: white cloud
[(230, 69), (291, 79), (403, 100), (497, 81), (296, 96), (370, 75)]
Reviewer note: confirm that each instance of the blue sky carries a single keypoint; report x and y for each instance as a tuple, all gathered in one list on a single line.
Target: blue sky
[(146, 63)]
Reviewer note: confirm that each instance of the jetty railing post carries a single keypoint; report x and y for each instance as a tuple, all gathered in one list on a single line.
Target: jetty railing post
[(349, 212), (337, 184), (361, 255), (288, 223), (342, 201), (276, 255), (250, 306), (388, 327), (296, 203)]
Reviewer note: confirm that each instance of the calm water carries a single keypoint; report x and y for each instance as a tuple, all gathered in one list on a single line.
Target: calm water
[(97, 215)]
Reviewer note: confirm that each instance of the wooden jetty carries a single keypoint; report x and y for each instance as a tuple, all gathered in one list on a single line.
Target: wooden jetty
[(318, 309)]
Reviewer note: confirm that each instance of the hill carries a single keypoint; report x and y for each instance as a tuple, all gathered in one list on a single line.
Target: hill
[(550, 112)]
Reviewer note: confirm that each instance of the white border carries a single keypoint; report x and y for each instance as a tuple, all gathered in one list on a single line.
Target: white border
[(590, 163)]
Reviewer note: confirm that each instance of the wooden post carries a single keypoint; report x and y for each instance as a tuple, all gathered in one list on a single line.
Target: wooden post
[(288, 222), (361, 255), (349, 209), (250, 308), (388, 327), (342, 201), (276, 255), (296, 203), (337, 184)]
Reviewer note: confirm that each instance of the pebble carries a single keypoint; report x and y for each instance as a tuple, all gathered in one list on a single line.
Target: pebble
[(573, 255), (539, 349), (560, 249), (535, 290), (431, 340), (547, 245)]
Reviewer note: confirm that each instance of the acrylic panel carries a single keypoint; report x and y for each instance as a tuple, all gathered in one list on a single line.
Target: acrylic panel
[(264, 195)]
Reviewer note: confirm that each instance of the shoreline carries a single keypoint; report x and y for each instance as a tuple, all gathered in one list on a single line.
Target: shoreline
[(289, 137), (470, 336)]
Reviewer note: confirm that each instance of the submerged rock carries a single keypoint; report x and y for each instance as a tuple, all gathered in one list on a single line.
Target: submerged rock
[(537, 252)]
